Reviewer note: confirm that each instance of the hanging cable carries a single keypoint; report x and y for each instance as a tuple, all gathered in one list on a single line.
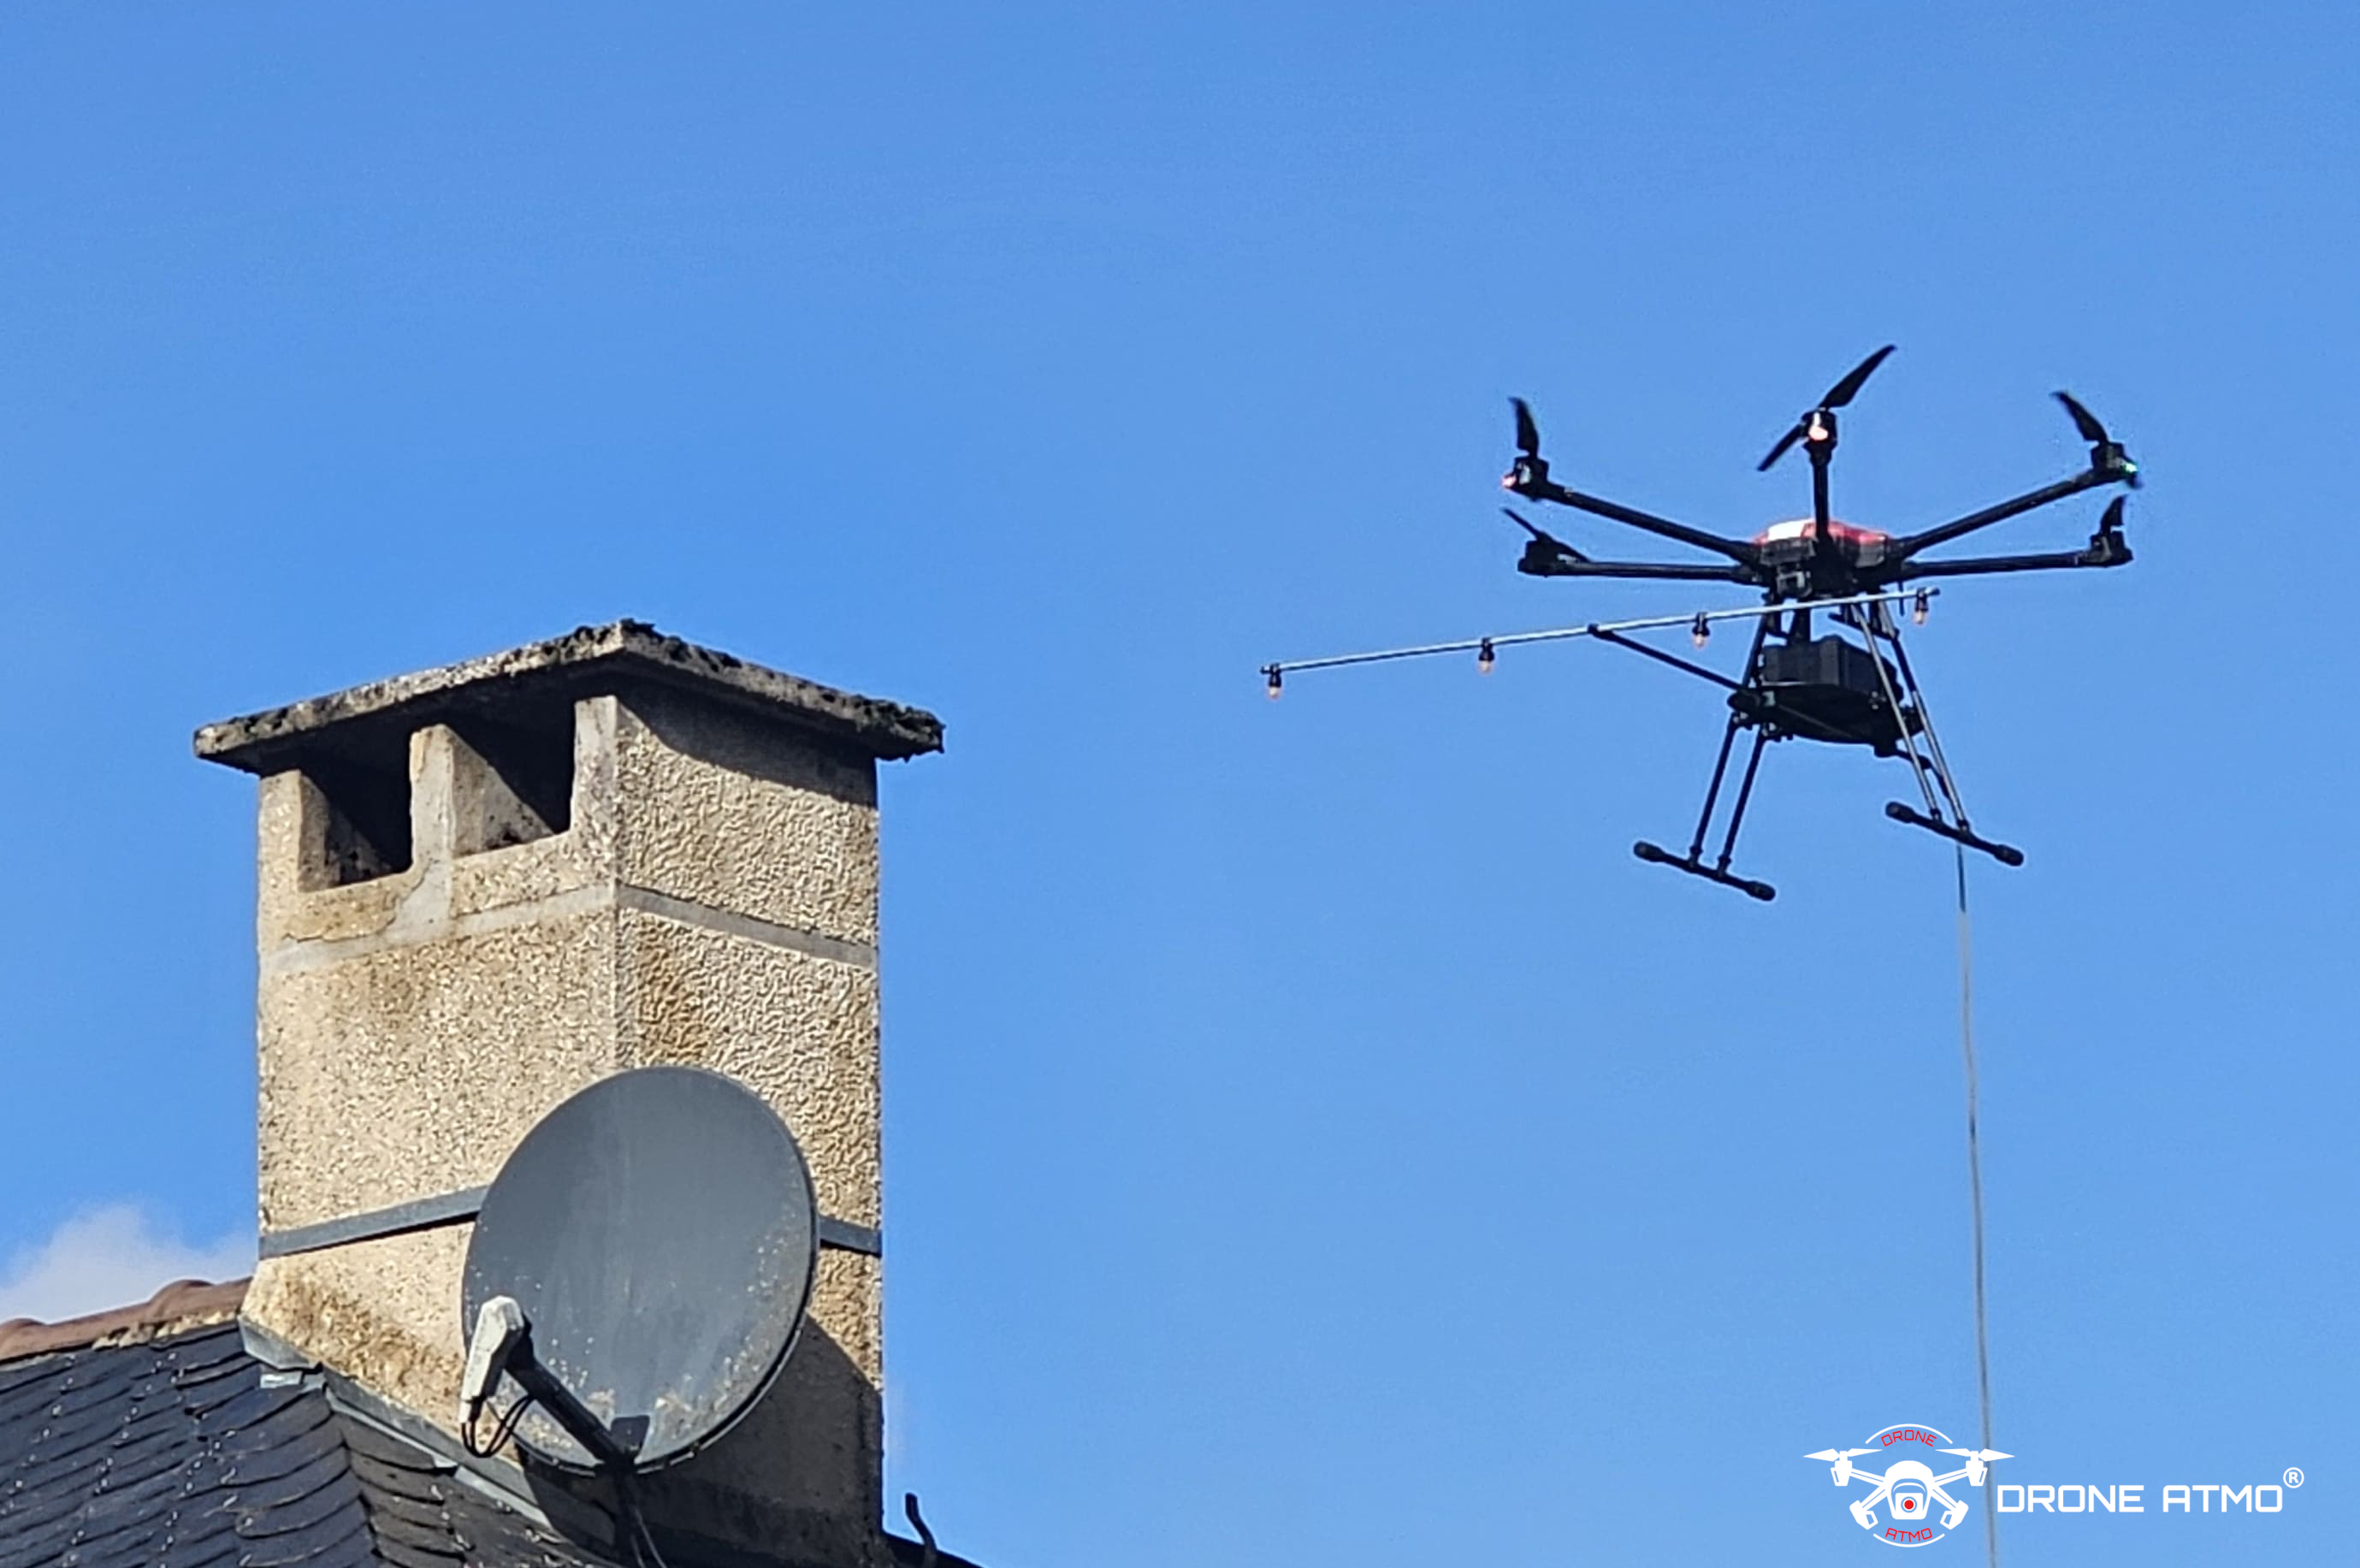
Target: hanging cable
[(1975, 1185), (503, 1429), (632, 1524)]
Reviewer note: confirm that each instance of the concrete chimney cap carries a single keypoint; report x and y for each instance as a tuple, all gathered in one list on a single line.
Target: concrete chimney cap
[(588, 660)]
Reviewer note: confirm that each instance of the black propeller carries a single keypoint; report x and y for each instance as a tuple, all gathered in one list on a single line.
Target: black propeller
[(2107, 545), (1528, 434), (2105, 452), (1528, 476), (1840, 394), (2083, 420), (1544, 537)]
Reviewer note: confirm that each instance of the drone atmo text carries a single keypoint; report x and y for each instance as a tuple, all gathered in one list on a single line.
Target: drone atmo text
[(1796, 683)]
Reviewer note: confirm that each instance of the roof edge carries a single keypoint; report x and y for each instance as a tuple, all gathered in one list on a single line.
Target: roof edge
[(260, 742), (182, 1305)]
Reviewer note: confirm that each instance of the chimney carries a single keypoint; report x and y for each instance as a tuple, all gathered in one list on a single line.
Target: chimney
[(485, 886)]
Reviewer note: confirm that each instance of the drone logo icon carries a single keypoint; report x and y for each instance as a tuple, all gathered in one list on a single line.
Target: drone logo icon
[(1911, 1491)]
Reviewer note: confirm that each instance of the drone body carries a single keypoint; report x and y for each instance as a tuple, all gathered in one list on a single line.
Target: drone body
[(1828, 687), (1797, 683)]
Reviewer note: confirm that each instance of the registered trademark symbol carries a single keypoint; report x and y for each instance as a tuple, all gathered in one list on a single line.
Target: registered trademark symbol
[(2294, 1476)]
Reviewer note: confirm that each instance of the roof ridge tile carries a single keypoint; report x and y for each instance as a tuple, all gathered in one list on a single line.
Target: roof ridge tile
[(182, 1305)]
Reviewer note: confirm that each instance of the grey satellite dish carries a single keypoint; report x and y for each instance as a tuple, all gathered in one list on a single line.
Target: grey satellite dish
[(640, 1268)]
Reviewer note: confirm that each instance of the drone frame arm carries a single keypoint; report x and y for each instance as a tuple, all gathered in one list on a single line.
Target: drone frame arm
[(2091, 477), (1545, 563), (2103, 549), (1543, 489)]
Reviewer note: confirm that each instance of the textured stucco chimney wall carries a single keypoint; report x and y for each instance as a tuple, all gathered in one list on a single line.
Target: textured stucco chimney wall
[(484, 887)]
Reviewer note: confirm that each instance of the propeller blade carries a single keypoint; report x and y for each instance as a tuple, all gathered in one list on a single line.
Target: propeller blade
[(1528, 432), (2112, 522), (1784, 443), (1543, 536), (1829, 1455), (1825, 1456), (1843, 391), (2083, 420), (1985, 1454)]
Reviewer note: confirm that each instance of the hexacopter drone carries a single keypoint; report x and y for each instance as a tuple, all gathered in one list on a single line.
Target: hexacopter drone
[(1910, 1487), (1796, 685)]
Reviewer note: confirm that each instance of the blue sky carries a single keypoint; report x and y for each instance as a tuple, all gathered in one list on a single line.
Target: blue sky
[(1312, 1136)]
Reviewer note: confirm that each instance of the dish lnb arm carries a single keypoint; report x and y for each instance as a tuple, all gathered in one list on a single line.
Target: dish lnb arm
[(502, 1346), (498, 1327)]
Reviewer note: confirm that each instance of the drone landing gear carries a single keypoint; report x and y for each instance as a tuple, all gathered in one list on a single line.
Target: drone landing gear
[(1656, 855), (1693, 863), (2005, 854), (1931, 767)]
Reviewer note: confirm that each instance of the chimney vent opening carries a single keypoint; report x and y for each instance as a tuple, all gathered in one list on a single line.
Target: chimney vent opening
[(366, 833), (523, 787)]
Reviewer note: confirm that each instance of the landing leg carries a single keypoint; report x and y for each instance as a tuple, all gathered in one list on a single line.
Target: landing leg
[(1693, 863), (1712, 791), (1934, 766), (1958, 833), (1744, 793)]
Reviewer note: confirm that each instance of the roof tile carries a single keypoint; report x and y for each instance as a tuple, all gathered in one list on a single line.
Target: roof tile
[(130, 1440)]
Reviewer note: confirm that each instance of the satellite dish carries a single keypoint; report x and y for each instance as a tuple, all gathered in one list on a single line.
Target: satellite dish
[(646, 1257)]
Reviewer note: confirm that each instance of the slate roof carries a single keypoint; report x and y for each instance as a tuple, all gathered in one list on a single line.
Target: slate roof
[(161, 1449)]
